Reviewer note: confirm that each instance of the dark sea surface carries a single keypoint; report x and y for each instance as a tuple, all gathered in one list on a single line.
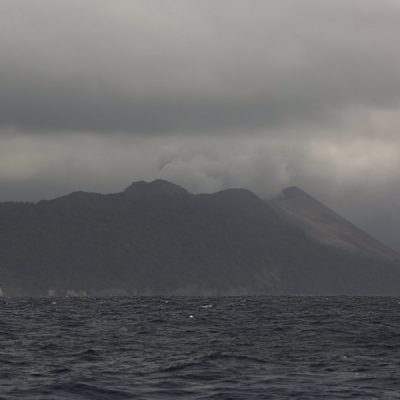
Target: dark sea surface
[(200, 348)]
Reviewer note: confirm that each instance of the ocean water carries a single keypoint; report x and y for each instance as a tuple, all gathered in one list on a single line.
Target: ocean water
[(200, 348)]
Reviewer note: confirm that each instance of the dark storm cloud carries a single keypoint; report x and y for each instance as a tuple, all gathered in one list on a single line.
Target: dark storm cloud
[(103, 112), (187, 66)]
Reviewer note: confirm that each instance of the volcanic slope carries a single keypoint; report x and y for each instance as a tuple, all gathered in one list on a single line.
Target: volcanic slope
[(158, 239), (324, 225)]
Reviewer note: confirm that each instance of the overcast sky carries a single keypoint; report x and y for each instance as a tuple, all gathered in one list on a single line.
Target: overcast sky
[(209, 94)]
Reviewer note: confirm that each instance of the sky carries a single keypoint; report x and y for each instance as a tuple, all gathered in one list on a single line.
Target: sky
[(208, 94)]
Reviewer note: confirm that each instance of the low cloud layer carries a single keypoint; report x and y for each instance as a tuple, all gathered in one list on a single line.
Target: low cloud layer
[(209, 94), (150, 67)]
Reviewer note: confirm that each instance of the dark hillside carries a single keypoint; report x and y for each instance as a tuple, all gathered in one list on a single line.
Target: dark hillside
[(156, 238)]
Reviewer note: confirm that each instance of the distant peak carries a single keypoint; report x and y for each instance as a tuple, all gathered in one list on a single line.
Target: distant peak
[(238, 192), (293, 191), (158, 186)]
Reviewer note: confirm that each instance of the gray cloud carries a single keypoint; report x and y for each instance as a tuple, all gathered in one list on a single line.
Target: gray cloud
[(150, 67)]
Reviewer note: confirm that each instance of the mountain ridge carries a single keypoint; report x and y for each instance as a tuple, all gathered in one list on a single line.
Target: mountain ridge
[(157, 238), (323, 224)]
